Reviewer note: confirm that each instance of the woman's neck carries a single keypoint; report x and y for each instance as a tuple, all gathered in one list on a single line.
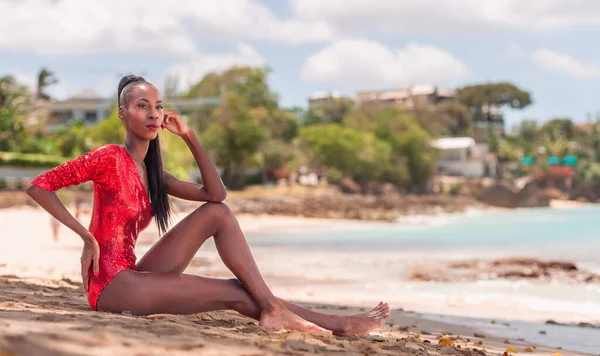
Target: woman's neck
[(137, 148)]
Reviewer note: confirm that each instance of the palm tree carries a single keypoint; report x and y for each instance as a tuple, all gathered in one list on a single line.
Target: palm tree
[(44, 80)]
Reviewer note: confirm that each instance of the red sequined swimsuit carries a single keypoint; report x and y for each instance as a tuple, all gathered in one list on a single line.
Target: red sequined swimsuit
[(121, 207)]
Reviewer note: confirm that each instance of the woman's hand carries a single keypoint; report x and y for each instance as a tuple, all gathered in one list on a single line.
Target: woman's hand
[(174, 123), (89, 255)]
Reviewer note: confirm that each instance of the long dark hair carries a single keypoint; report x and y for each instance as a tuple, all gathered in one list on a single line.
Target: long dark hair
[(161, 206)]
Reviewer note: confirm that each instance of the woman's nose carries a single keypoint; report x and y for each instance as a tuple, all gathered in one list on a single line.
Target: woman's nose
[(153, 114)]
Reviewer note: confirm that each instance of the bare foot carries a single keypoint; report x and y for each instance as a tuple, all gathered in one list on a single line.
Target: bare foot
[(283, 318), (362, 324)]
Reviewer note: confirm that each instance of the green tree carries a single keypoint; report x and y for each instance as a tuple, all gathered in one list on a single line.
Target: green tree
[(454, 118), (557, 129), (200, 118), (284, 125), (494, 94), (248, 82), (109, 130), (528, 130), (215, 84), (409, 141), (234, 136), (277, 154), (483, 98), (177, 158), (527, 137), (361, 117), (73, 140), (15, 101), (359, 155), (508, 151), (330, 110)]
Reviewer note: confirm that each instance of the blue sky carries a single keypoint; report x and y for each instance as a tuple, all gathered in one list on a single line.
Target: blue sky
[(545, 46)]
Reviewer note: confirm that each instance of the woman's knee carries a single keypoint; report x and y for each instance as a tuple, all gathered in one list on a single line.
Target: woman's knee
[(217, 211)]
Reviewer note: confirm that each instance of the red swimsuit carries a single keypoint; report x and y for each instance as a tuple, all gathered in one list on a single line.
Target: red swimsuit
[(121, 207)]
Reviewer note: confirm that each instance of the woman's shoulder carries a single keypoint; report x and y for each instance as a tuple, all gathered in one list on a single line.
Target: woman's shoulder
[(103, 155), (107, 149)]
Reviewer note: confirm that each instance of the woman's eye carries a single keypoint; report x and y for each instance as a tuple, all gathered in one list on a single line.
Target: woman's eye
[(159, 107), (142, 105)]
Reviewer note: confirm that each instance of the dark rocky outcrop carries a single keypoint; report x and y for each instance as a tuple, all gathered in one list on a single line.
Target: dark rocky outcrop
[(500, 194), (506, 268), (503, 194)]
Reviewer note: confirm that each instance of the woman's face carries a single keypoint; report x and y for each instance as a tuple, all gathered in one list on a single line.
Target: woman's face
[(143, 111)]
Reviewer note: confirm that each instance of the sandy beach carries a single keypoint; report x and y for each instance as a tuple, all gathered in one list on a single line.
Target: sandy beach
[(43, 309)]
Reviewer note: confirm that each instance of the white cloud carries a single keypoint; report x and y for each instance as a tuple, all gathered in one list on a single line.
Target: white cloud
[(72, 26), (361, 63), (192, 71), (75, 26), (443, 17), (565, 64), (250, 20)]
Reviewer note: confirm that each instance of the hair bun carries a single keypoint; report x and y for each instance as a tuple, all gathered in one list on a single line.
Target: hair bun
[(125, 81)]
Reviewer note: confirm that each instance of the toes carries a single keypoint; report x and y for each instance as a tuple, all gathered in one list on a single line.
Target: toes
[(318, 329), (379, 315), (384, 313)]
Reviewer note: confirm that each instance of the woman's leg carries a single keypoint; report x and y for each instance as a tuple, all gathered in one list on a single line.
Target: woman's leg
[(144, 293), (174, 251)]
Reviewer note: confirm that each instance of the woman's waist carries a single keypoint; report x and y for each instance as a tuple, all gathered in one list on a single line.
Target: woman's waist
[(113, 236), (117, 249)]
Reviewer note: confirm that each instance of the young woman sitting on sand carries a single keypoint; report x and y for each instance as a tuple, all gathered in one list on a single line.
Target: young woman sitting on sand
[(131, 187)]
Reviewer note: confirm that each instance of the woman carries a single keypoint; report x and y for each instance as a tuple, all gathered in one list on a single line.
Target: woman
[(131, 187)]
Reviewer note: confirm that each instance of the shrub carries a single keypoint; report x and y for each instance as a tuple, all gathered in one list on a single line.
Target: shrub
[(30, 160)]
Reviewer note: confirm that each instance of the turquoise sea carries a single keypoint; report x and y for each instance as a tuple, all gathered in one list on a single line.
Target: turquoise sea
[(369, 263)]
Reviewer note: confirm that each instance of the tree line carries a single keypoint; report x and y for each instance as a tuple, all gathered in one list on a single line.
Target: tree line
[(248, 131)]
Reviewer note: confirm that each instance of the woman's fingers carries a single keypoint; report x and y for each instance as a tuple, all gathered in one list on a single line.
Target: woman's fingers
[(85, 267), (96, 258)]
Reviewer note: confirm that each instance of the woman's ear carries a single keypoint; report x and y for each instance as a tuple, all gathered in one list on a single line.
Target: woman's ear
[(121, 110)]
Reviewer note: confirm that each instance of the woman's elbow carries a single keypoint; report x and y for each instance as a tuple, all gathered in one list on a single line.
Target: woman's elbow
[(31, 189)]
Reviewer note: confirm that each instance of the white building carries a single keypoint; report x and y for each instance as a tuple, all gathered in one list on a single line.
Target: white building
[(462, 156), (87, 106)]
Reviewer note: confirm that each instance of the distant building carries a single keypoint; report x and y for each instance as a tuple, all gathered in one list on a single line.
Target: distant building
[(407, 98), (487, 121), (87, 106), (321, 97), (462, 156), (91, 108), (186, 106)]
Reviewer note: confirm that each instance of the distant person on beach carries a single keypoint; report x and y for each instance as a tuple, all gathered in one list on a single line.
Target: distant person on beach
[(77, 204), (131, 188), (55, 227)]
